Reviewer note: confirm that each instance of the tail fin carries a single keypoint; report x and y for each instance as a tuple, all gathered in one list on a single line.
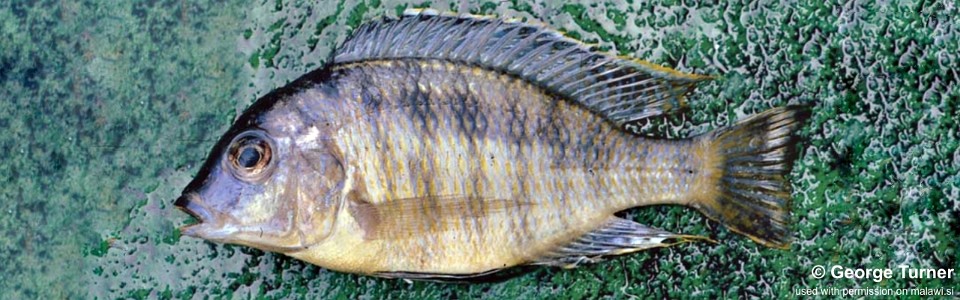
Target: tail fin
[(752, 158)]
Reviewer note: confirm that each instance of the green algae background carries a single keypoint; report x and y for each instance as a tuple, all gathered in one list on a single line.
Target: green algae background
[(107, 109)]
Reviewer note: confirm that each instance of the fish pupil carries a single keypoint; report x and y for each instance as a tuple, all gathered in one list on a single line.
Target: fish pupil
[(249, 157)]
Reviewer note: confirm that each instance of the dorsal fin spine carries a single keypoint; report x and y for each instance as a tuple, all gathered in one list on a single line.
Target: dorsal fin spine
[(515, 51), (615, 105), (456, 50), (383, 33), (562, 68), (438, 41), (600, 83), (570, 85), (487, 33), (492, 58), (420, 30), (524, 62), (625, 86)]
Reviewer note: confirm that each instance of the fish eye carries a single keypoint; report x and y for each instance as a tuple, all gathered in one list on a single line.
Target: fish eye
[(250, 155)]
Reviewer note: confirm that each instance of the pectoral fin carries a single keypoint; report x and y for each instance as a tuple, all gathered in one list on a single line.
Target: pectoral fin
[(617, 236), (415, 217)]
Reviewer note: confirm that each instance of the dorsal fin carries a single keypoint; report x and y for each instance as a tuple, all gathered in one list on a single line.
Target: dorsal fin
[(621, 90)]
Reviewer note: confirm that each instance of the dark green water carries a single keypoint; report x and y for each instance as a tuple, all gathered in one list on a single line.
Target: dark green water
[(108, 107)]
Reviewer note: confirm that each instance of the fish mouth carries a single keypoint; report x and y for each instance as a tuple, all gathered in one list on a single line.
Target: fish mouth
[(190, 203)]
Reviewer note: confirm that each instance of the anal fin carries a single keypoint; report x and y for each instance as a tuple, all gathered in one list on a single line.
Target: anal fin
[(615, 237)]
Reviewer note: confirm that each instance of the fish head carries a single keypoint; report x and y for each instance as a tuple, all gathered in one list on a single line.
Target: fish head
[(261, 187)]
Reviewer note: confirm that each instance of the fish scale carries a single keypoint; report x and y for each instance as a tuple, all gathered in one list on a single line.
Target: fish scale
[(562, 185)]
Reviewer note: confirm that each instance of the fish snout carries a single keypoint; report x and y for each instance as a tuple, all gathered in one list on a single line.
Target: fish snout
[(190, 203)]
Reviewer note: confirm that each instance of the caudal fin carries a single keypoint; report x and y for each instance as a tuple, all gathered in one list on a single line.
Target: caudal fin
[(752, 158)]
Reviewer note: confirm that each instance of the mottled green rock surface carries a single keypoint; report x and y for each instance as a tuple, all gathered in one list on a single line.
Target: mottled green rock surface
[(108, 108)]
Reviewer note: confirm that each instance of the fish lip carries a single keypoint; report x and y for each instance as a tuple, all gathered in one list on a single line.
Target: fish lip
[(191, 204)]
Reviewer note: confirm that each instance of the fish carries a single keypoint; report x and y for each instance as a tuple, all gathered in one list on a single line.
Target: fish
[(438, 146)]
